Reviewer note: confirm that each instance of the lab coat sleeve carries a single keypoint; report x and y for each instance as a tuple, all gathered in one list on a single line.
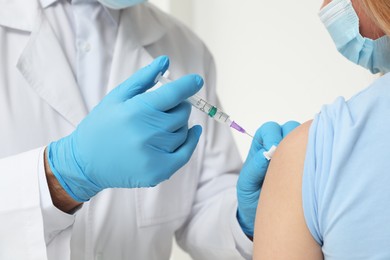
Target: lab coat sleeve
[(212, 230), (31, 226), (57, 224), (21, 224)]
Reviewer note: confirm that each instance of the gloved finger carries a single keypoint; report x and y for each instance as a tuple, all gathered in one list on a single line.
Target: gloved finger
[(289, 126), (253, 173), (140, 81), (169, 142), (183, 154), (257, 143), (177, 117), (255, 147), (172, 94), (269, 134)]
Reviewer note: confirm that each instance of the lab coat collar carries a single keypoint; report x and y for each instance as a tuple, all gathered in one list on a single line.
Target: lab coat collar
[(45, 67), (147, 26), (44, 64), (129, 53), (18, 14), (114, 14), (139, 27), (46, 3)]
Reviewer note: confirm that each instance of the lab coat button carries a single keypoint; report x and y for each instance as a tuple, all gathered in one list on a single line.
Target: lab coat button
[(87, 47)]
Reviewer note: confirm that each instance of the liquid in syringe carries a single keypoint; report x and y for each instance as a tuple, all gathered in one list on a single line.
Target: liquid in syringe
[(218, 115), (211, 110)]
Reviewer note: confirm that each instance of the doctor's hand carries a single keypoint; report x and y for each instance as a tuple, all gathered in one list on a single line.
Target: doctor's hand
[(131, 139), (253, 172)]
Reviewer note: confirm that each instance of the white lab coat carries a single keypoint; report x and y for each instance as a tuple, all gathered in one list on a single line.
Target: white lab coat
[(41, 102)]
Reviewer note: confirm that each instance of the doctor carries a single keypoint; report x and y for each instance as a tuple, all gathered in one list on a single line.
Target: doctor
[(65, 142)]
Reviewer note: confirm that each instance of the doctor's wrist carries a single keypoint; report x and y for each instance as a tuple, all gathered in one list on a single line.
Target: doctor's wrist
[(60, 198)]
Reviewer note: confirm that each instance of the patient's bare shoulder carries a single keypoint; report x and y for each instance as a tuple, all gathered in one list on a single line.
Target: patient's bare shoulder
[(281, 231)]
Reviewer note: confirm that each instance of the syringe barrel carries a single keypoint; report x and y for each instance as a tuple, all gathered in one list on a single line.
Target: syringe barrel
[(212, 111), (223, 118), (200, 104), (204, 106)]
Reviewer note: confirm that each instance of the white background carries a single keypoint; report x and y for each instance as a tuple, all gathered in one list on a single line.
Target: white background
[(275, 60)]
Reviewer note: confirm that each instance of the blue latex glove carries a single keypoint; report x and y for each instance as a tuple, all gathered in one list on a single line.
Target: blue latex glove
[(253, 172), (131, 138)]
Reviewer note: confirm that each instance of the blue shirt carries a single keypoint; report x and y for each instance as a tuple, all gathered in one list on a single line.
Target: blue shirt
[(346, 179)]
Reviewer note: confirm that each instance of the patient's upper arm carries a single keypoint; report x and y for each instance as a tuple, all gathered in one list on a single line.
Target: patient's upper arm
[(281, 231)]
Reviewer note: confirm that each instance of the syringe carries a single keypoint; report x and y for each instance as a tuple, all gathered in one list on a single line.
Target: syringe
[(212, 111), (218, 115)]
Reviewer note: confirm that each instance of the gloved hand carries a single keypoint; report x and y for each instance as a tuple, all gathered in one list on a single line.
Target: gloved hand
[(253, 172), (131, 138)]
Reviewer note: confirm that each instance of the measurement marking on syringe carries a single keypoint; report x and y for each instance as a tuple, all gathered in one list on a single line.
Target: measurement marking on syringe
[(209, 109)]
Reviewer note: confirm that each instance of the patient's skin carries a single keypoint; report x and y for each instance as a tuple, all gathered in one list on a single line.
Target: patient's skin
[(280, 231)]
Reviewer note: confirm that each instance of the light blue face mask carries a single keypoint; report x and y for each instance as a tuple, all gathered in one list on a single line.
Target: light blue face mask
[(342, 22), (120, 4)]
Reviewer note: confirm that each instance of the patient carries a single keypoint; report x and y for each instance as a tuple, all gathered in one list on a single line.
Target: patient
[(327, 190)]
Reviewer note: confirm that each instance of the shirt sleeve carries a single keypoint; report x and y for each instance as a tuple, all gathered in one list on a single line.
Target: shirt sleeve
[(345, 186), (309, 181)]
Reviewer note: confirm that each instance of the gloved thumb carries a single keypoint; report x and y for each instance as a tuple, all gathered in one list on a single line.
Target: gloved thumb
[(253, 173), (140, 81), (268, 135), (185, 151)]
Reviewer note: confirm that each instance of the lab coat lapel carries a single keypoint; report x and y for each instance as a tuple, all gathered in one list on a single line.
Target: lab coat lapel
[(126, 61), (137, 28), (45, 67)]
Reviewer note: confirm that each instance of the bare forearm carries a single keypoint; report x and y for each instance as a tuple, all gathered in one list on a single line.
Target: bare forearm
[(60, 198)]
